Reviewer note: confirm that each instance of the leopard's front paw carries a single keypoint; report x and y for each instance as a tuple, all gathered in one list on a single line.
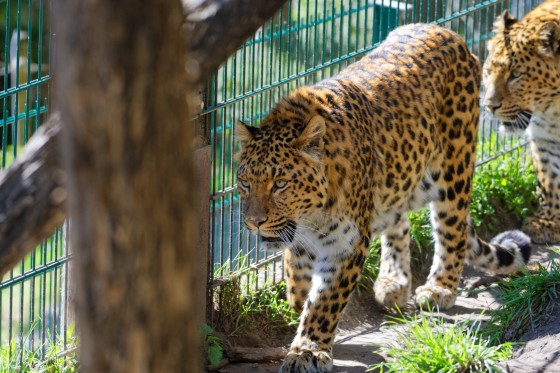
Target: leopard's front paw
[(389, 292), (435, 296), (543, 228), (307, 362)]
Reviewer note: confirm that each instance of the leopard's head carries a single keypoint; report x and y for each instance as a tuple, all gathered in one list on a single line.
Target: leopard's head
[(281, 177), (521, 75)]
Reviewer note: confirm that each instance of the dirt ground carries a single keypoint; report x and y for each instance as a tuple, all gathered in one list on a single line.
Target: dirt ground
[(362, 328)]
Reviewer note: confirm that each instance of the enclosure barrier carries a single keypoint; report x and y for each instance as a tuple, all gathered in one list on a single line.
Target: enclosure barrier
[(305, 42)]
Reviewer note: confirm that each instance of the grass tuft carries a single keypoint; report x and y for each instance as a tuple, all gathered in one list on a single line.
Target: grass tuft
[(426, 343), (526, 300), (503, 187), (264, 314), (57, 358)]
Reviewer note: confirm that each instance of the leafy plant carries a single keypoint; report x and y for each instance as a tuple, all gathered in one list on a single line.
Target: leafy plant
[(426, 343), (508, 183), (421, 228), (212, 344), (526, 299)]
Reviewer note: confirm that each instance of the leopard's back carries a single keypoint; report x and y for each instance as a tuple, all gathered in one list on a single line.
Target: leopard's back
[(395, 122)]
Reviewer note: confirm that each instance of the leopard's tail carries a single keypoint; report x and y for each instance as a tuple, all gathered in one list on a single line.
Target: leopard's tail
[(506, 253)]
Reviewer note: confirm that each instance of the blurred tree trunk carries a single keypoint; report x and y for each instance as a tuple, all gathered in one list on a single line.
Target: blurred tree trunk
[(122, 93)]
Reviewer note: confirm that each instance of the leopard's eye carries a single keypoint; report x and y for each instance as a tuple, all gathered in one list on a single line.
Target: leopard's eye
[(279, 184), (244, 183), (514, 75)]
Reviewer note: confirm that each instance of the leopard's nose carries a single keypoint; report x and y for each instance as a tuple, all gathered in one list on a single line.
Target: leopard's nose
[(254, 222), (492, 106)]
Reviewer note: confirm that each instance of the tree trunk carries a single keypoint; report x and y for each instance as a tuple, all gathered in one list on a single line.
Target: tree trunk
[(121, 83)]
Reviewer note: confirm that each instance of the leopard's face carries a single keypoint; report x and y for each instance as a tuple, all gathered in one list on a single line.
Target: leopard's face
[(281, 177), (521, 75)]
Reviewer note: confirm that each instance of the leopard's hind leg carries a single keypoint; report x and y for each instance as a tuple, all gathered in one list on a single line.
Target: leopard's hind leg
[(451, 171), (449, 224), (393, 283)]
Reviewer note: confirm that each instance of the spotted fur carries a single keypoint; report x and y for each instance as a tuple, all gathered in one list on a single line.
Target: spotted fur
[(522, 83), (340, 162)]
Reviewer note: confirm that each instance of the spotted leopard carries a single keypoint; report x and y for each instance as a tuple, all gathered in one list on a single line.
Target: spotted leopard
[(336, 164), (522, 81)]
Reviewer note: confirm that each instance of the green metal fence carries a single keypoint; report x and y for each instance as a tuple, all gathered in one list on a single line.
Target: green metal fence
[(33, 310), (305, 42)]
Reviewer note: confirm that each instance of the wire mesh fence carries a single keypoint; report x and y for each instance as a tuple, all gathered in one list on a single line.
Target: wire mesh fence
[(33, 311), (305, 42)]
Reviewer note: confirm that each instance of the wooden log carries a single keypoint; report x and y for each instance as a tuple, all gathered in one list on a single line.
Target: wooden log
[(256, 355)]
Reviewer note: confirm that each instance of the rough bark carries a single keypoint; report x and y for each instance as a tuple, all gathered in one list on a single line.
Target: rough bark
[(121, 93), (214, 30)]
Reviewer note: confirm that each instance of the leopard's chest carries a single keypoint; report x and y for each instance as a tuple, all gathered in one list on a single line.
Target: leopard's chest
[(545, 125), (327, 236)]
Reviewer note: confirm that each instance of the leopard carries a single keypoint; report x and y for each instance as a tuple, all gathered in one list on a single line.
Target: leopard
[(337, 164), (521, 80)]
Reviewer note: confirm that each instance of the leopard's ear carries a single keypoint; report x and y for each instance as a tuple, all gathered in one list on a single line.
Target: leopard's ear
[(504, 22), (244, 133), (311, 141), (549, 35)]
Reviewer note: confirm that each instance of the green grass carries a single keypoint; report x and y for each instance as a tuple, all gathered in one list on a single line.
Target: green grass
[(426, 343), (241, 306), (270, 302), (526, 299), (240, 312), (58, 357)]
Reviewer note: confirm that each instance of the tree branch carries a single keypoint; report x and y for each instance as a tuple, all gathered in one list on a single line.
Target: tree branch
[(218, 27), (32, 196), (32, 190)]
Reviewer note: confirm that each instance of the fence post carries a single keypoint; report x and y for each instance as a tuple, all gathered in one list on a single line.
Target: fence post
[(201, 168)]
